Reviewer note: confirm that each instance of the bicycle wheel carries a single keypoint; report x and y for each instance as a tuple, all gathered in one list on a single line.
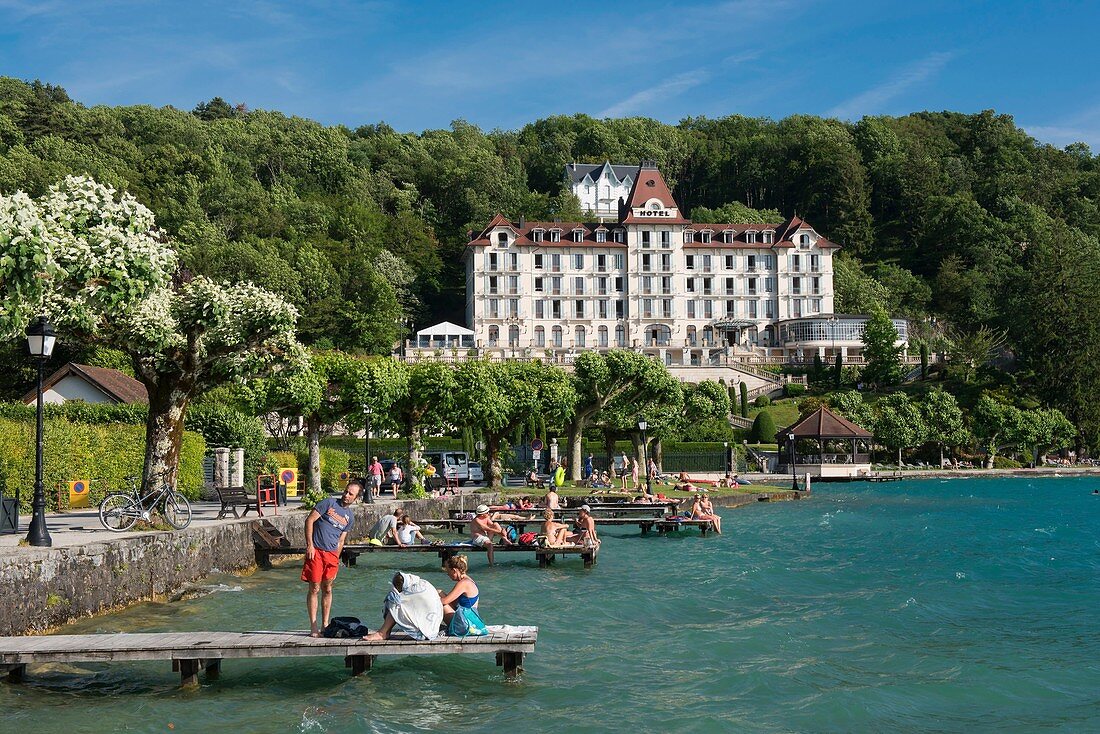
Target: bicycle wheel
[(177, 510), (118, 512)]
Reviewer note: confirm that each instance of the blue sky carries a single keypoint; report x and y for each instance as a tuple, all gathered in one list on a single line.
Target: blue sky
[(419, 65)]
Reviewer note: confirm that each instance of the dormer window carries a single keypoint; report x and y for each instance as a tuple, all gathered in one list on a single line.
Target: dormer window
[(502, 239), (804, 241), (750, 236), (706, 237), (689, 236), (601, 235), (620, 236), (555, 235), (727, 236), (578, 235), (768, 237), (536, 235)]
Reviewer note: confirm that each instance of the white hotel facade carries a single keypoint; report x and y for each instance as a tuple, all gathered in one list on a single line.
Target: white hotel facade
[(693, 295)]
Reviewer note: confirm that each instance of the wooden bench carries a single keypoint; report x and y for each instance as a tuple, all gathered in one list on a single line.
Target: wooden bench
[(234, 497), (191, 652)]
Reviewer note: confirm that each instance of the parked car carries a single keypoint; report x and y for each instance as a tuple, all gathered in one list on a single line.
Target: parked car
[(454, 464), (476, 474)]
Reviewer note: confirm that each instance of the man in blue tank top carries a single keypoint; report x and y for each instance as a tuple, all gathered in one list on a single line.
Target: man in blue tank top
[(326, 529)]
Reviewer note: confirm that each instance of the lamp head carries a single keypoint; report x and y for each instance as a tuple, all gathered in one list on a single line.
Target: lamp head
[(642, 424), (41, 338)]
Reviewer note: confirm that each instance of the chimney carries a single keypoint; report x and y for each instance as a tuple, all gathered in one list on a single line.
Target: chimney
[(574, 165), (522, 221)]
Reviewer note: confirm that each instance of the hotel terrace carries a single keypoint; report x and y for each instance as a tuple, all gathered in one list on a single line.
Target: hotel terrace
[(708, 300)]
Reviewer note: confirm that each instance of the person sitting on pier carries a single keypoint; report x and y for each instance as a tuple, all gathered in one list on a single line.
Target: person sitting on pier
[(556, 533), (727, 481), (385, 530), (702, 509), (412, 607), (585, 529), (551, 500), (326, 529), (465, 591), (482, 530), (408, 532)]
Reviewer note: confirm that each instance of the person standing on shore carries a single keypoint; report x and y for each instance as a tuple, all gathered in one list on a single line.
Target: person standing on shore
[(374, 476), (326, 529)]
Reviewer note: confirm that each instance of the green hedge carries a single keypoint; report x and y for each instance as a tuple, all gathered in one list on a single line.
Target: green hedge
[(104, 454)]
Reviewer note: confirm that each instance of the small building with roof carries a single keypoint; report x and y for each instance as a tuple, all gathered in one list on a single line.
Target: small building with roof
[(90, 385), (825, 445)]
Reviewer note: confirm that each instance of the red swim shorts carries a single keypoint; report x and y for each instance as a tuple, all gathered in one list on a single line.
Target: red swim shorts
[(324, 565)]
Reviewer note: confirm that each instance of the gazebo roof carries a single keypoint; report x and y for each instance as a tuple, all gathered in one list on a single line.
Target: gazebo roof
[(824, 423)]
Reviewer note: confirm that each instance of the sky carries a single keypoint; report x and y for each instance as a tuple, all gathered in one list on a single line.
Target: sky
[(420, 65)]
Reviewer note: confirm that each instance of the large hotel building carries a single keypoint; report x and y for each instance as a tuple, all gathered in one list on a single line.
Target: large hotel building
[(702, 298)]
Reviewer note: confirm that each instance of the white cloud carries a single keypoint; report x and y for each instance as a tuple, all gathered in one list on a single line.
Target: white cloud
[(659, 93), (1083, 127), (872, 101)]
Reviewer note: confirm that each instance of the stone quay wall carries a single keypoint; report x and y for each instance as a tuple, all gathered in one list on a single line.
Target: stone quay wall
[(42, 588)]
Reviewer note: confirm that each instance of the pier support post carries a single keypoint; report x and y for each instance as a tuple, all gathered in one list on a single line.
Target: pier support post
[(359, 664), (16, 672), (189, 671), (213, 668), (645, 526), (589, 559), (512, 662)]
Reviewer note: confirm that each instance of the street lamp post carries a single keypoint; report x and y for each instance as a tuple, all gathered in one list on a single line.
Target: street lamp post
[(642, 425), (368, 495), (794, 476), (832, 337), (40, 341), (726, 449)]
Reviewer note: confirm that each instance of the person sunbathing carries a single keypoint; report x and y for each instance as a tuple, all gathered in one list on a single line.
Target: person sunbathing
[(702, 509), (555, 532)]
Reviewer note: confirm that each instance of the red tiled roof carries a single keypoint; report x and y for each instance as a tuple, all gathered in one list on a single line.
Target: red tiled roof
[(823, 423), (117, 385)]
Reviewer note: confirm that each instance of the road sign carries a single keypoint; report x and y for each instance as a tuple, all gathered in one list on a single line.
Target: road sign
[(535, 454), (536, 444)]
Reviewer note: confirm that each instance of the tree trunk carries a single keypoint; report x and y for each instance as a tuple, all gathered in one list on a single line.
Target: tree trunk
[(412, 430), (576, 432), (492, 447), (941, 455), (313, 442), (168, 399), (899, 457), (659, 454), (609, 449)]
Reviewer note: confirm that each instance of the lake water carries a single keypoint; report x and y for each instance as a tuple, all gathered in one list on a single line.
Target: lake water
[(958, 605)]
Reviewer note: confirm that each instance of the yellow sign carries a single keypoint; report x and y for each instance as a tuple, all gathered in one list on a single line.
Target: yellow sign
[(288, 475), (78, 493)]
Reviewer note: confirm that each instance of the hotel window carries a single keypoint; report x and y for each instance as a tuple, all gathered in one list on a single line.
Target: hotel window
[(513, 285), (666, 239), (692, 337), (555, 262), (540, 309), (513, 261), (796, 286), (540, 336), (731, 309), (578, 262), (691, 309), (816, 286), (619, 261), (708, 286), (689, 262), (494, 335), (538, 285), (513, 308), (555, 309), (603, 308), (815, 262), (666, 261), (727, 236), (647, 262), (707, 263), (619, 284), (602, 336), (647, 308), (492, 284), (578, 235), (557, 336), (690, 284), (767, 238), (751, 264), (492, 261), (647, 284), (620, 309), (555, 235), (708, 309), (729, 262), (796, 263), (578, 337), (536, 235), (752, 287), (578, 309), (578, 285), (706, 237), (689, 236), (769, 309), (502, 239), (666, 285), (804, 240), (620, 336), (601, 263), (750, 237), (666, 308), (645, 239), (601, 235), (601, 286), (620, 236), (769, 285), (494, 308), (815, 304), (555, 285), (731, 286), (538, 261), (752, 309)]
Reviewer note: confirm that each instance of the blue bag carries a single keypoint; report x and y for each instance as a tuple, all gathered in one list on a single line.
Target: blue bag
[(466, 622)]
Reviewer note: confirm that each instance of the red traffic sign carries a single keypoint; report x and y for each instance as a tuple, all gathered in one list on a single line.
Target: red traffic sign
[(536, 444)]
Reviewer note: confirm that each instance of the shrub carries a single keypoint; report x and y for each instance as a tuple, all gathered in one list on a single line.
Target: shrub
[(333, 463), (763, 428), (762, 401), (222, 425), (283, 458), (793, 389), (708, 429), (1003, 462), (103, 454)]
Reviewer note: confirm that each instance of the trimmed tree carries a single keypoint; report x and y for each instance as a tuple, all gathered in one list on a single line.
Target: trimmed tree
[(763, 428), (898, 423), (425, 401), (744, 390), (881, 350), (943, 419)]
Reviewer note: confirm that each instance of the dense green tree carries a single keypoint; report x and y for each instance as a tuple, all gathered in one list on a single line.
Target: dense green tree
[(943, 420), (898, 423), (881, 351), (763, 428)]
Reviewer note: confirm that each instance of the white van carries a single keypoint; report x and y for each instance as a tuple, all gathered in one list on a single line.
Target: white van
[(454, 464)]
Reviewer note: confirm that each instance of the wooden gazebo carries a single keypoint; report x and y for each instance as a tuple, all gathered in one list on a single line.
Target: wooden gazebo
[(825, 445)]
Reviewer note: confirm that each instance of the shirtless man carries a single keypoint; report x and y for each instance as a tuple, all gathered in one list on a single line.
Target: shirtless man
[(555, 532), (586, 529), (482, 530), (702, 509), (552, 502)]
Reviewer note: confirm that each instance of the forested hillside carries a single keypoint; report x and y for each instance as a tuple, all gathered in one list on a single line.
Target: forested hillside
[(961, 217)]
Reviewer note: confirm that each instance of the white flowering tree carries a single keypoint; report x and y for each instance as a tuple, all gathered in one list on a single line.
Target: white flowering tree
[(94, 263)]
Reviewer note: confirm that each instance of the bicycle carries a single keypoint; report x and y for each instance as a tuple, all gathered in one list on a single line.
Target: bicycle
[(120, 510)]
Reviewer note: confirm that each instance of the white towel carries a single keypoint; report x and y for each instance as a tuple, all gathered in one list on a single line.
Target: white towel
[(417, 609)]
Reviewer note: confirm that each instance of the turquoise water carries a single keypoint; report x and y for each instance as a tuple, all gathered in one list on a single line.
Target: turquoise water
[(961, 605)]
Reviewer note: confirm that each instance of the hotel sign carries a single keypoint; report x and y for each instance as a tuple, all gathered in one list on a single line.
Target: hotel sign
[(653, 213)]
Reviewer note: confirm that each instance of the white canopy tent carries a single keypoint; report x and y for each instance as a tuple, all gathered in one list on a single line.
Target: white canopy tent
[(444, 335)]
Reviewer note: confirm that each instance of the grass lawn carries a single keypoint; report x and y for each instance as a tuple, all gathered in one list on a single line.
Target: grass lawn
[(784, 411)]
